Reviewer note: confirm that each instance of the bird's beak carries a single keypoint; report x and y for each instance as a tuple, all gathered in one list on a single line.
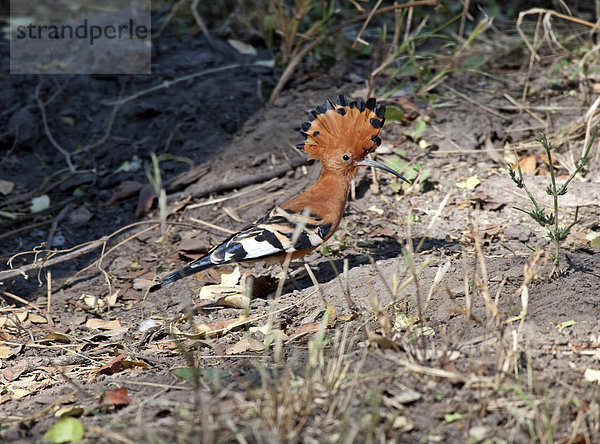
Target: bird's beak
[(372, 163)]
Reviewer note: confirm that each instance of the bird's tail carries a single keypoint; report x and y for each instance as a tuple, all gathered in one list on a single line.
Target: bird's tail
[(202, 263)]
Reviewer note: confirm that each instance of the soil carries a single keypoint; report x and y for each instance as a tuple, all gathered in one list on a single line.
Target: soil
[(491, 349)]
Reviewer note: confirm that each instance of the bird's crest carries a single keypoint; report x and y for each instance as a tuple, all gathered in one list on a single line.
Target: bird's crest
[(345, 126)]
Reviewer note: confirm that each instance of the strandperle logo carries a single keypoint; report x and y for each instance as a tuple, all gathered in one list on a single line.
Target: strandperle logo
[(84, 31), (80, 37)]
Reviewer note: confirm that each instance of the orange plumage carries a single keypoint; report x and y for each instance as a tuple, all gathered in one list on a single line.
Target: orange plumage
[(339, 135)]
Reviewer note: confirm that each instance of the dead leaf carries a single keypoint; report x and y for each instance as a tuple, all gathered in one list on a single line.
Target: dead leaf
[(18, 393), (112, 299), (403, 423), (399, 398), (92, 301), (311, 328), (411, 111), (424, 144), (6, 187), (68, 120), (142, 283), (228, 293), (57, 337), (39, 203), (264, 329), (242, 48), (5, 352), (124, 190), (145, 200), (221, 327), (101, 324), (74, 412), (244, 345), (214, 292), (234, 301), (14, 371), (274, 336), (528, 163), (9, 321), (331, 312), (115, 365), (116, 397), (232, 277), (126, 364), (131, 295), (37, 319), (381, 341), (197, 244)]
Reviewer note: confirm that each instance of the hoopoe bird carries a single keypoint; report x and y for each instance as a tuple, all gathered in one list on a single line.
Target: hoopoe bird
[(339, 135)]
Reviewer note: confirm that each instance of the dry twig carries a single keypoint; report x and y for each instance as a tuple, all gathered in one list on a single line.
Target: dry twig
[(54, 143)]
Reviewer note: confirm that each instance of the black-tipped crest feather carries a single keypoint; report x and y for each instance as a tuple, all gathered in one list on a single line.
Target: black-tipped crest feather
[(354, 125)]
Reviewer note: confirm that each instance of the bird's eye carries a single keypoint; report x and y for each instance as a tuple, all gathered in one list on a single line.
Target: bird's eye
[(346, 157)]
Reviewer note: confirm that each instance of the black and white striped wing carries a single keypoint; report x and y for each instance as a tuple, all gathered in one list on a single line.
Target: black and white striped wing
[(280, 232)]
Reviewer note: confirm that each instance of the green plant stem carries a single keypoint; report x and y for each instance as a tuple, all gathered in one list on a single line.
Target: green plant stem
[(547, 147), (531, 198), (583, 162), (550, 222)]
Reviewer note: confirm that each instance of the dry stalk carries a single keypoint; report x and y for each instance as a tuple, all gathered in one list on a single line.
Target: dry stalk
[(71, 253), (21, 300), (55, 144), (213, 226), (49, 293)]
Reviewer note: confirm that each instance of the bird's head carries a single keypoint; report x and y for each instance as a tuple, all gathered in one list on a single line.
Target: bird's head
[(343, 134)]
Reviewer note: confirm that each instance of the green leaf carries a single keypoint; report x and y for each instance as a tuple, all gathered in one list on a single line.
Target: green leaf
[(566, 324), (325, 250), (411, 173), (190, 372), (67, 429), (395, 187), (173, 157), (394, 114), (469, 184), (184, 372), (80, 190), (396, 163), (416, 134), (451, 417), (125, 166)]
